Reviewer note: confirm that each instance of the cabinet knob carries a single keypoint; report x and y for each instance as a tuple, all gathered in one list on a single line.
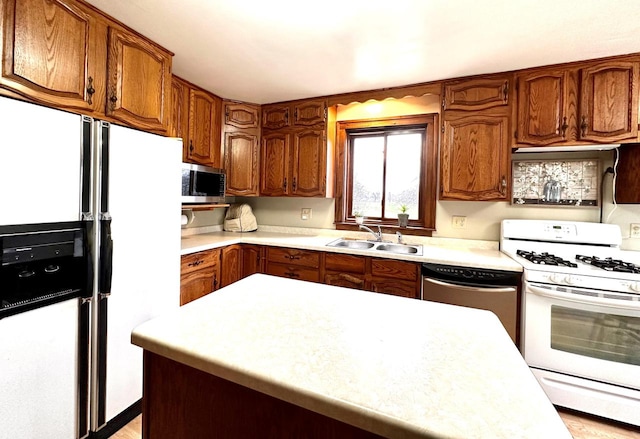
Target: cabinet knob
[(285, 184), (583, 126), (294, 186), (90, 90), (503, 186), (113, 100)]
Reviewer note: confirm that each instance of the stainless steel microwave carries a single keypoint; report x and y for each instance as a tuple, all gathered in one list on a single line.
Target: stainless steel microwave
[(202, 184)]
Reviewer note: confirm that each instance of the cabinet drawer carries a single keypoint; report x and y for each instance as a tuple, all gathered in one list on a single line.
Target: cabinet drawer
[(395, 269), (293, 257), (197, 261), (341, 279), (348, 263), (293, 272), (402, 288)]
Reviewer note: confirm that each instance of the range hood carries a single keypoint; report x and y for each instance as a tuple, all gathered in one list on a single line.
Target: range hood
[(565, 148)]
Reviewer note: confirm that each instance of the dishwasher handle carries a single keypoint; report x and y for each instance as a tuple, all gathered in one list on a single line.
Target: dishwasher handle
[(478, 289)]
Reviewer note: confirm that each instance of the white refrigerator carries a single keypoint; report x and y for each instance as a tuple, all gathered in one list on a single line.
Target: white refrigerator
[(124, 185)]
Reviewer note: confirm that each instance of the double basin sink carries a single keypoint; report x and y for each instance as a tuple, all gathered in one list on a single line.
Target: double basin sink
[(382, 247)]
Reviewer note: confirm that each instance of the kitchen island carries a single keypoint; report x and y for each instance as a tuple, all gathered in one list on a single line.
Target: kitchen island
[(271, 358)]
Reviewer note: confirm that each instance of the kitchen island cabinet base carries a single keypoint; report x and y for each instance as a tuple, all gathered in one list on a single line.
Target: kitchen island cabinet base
[(182, 402)]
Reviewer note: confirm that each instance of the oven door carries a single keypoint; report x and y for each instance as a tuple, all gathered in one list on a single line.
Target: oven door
[(585, 333)]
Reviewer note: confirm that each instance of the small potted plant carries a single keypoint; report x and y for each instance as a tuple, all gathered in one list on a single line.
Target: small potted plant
[(358, 217), (403, 216)]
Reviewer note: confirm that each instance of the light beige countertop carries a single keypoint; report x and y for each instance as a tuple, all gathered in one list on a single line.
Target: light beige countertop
[(466, 253), (397, 367)]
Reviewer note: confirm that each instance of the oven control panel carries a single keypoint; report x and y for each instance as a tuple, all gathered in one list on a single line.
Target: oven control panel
[(583, 281)]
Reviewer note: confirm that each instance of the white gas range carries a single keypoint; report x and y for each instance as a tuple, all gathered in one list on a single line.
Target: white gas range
[(581, 313)]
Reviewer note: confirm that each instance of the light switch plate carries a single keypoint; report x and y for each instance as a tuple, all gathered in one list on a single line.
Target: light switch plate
[(634, 230), (305, 213)]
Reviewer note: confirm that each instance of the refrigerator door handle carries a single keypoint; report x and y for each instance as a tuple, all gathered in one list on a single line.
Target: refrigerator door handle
[(106, 259), (86, 170)]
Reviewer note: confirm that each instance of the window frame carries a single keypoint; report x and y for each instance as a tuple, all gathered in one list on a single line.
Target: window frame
[(425, 224)]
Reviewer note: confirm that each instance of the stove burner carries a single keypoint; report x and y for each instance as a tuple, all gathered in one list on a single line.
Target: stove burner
[(545, 259), (609, 264)]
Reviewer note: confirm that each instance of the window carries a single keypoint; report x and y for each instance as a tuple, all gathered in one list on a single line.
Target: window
[(384, 164)]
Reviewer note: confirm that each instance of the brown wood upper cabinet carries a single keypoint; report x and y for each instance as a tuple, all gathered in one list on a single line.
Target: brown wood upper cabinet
[(242, 148), (305, 113), (476, 94), (293, 154), (597, 103), (475, 148), (195, 117), (54, 52), (65, 54)]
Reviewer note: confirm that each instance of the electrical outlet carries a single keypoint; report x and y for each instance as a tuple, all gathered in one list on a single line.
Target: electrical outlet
[(458, 222), (305, 213), (634, 231)]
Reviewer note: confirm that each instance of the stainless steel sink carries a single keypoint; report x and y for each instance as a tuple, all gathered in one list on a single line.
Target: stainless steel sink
[(400, 248), (388, 247), (361, 245)]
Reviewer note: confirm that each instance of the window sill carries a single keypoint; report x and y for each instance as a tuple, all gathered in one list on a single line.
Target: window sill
[(386, 228)]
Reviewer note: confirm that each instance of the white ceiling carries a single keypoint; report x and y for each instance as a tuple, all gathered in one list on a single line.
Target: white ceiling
[(265, 51)]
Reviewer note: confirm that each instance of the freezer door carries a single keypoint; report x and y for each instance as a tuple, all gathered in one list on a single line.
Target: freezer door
[(40, 164), (144, 206)]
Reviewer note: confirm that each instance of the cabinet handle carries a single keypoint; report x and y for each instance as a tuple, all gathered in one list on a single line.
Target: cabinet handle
[(285, 184), (195, 263), (503, 186), (292, 257), (90, 91), (563, 127), (505, 91), (291, 274), (294, 184), (190, 146), (113, 100), (215, 281), (583, 126)]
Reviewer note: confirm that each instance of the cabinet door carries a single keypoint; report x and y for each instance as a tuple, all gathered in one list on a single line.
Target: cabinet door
[(475, 158), (241, 158), (204, 129), (609, 103), (293, 256), (274, 164), (54, 52), (543, 108), (345, 263), (293, 272), (241, 115), (308, 172), (231, 265), (476, 94), (252, 260), (275, 116), (309, 113), (627, 181), (139, 81), (196, 284), (179, 126)]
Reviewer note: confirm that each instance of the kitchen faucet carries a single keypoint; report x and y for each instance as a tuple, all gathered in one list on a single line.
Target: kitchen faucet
[(378, 235)]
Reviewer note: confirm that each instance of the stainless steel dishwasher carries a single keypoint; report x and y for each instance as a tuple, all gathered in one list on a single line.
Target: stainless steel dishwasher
[(492, 290)]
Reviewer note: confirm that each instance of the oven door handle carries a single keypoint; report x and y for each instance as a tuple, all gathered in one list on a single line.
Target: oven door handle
[(582, 298), (478, 289)]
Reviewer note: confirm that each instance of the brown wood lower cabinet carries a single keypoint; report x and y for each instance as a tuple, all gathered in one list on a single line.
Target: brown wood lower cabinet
[(252, 259), (388, 276), (293, 263), (199, 274), (231, 267)]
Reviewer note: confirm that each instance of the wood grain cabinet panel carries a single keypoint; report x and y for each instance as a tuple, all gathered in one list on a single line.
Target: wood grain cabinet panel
[(252, 259), (347, 280), (292, 256), (395, 287), (231, 265), (204, 145), (275, 116), (293, 271), (199, 274), (543, 107), (476, 94), (274, 164), (345, 263), (627, 181), (394, 269), (139, 81), (310, 113), (609, 102), (54, 52), (474, 158), (241, 162), (308, 170), (179, 122), (241, 116)]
